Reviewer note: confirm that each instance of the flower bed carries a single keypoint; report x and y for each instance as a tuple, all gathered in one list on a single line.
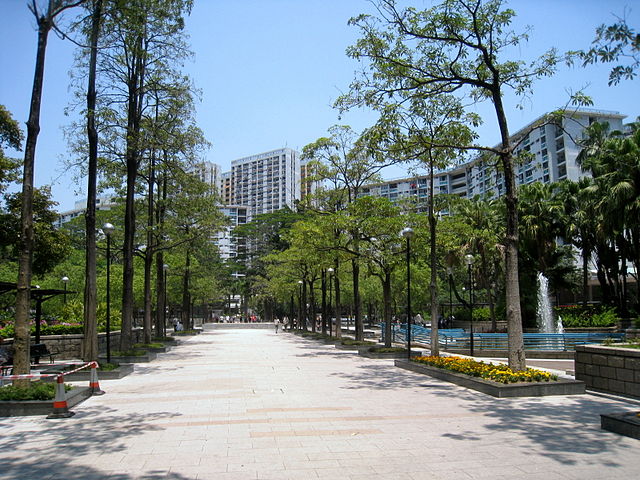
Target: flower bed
[(472, 380), (497, 373)]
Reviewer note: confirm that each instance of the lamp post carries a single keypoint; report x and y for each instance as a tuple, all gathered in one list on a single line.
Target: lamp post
[(449, 275), (408, 234), (469, 259), (65, 280), (330, 271), (165, 270), (108, 229), (300, 304)]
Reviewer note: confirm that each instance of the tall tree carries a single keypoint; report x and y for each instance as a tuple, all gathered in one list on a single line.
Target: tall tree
[(90, 349), (45, 21), (455, 47), (144, 44), (484, 239), (343, 161), (420, 131)]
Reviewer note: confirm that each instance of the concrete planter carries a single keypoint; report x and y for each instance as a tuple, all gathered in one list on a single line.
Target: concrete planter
[(366, 352), (561, 386), (84, 375), (627, 424), (163, 349), (340, 346), (41, 407), (609, 369), (147, 357)]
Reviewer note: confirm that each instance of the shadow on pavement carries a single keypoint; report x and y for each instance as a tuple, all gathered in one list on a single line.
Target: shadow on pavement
[(560, 426), (65, 444)]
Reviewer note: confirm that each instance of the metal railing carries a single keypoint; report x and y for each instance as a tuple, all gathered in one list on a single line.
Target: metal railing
[(458, 338)]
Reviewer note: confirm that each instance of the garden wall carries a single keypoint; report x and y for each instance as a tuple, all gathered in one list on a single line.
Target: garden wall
[(609, 369), (68, 346)]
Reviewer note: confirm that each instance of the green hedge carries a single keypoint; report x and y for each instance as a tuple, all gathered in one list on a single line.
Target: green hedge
[(577, 316), (8, 331), (35, 391)]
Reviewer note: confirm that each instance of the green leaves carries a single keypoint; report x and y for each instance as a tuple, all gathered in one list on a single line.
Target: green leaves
[(613, 43)]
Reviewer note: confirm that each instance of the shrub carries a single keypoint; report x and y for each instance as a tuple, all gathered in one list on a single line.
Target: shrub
[(148, 345), (130, 353), (107, 367), (387, 349), (351, 341), (35, 391), (480, 314), (576, 316), (61, 329)]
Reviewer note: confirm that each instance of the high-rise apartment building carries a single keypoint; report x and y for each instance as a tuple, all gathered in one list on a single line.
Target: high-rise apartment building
[(229, 245), (552, 149), (103, 202), (265, 182), (211, 174)]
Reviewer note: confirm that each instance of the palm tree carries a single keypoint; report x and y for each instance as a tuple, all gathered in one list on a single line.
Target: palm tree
[(613, 159), (487, 228), (580, 221)]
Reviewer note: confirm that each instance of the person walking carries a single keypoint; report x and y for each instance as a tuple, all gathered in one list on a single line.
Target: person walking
[(276, 323)]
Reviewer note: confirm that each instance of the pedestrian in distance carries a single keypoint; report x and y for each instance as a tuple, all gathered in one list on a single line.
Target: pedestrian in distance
[(276, 323)]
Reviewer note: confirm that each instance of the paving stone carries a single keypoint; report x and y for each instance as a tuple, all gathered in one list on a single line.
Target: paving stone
[(249, 404)]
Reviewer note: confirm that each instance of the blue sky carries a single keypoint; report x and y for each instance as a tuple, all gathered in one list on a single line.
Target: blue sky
[(269, 71)]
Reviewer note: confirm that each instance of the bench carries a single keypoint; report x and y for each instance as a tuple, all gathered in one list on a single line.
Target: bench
[(38, 350)]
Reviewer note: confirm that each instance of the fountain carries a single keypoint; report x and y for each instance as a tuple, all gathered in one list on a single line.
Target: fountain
[(544, 312)]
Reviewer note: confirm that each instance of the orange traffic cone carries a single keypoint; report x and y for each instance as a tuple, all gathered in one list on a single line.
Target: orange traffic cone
[(93, 380), (60, 407)]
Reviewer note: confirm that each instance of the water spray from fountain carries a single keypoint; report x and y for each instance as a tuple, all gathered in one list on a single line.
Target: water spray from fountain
[(544, 311)]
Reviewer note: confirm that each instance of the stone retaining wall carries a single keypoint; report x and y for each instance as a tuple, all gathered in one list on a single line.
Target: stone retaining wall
[(609, 369), (68, 346)]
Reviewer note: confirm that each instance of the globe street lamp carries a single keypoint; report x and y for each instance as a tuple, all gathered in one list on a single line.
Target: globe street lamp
[(469, 260), (408, 234), (330, 271), (108, 229), (65, 280)]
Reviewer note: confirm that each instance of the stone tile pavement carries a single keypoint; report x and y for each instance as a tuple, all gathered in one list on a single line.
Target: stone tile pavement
[(250, 404)]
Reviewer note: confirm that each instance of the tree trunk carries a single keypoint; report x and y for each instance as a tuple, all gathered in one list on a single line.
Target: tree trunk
[(126, 339), (585, 278), (148, 254), (161, 301), (186, 296), (386, 302), (23, 295), (132, 157), (312, 305), (516, 353), (357, 303), (303, 305), (338, 308), (324, 302), (90, 348), (433, 264)]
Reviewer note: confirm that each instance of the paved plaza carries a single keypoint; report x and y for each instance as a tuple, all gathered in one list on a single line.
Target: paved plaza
[(250, 404)]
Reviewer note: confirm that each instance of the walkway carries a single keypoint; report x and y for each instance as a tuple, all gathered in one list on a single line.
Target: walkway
[(249, 404)]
